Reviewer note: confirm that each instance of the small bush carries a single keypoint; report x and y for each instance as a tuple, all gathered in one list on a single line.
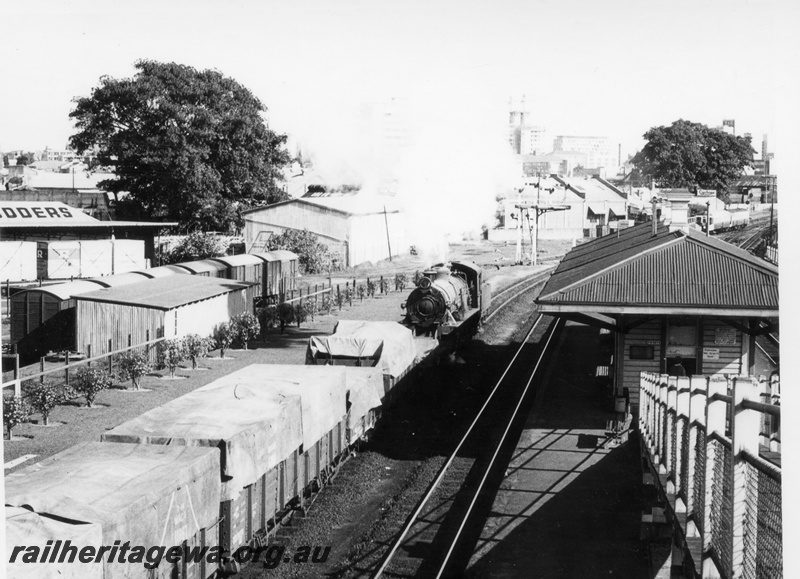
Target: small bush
[(301, 312), (371, 287), (285, 315), (384, 285), (362, 291), (246, 327), (132, 366), (15, 412), (326, 304), (89, 382), (400, 282), (223, 336), (196, 347), (171, 353), (268, 318), (43, 397)]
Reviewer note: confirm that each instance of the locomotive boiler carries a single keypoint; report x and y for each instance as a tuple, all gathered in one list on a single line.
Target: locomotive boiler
[(448, 297)]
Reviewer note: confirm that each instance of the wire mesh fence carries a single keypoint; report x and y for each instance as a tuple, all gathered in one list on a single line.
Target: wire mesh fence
[(683, 488), (699, 497), (721, 519), (769, 547)]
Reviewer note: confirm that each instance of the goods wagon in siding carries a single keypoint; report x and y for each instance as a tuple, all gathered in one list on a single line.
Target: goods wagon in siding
[(280, 274), (245, 267), (168, 307), (205, 268), (147, 495), (43, 318), (164, 270)]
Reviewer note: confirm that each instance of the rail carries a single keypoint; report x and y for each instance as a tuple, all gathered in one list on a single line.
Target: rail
[(526, 284), (413, 519), (709, 440)]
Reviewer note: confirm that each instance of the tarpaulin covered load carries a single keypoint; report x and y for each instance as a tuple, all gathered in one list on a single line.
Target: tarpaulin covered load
[(147, 495), (390, 342), (254, 424), (365, 389), (25, 528)]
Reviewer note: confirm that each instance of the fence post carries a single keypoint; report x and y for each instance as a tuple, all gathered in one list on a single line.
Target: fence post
[(670, 432), (381, 285), (697, 420), (89, 355), (745, 426), (716, 412), (661, 425), (775, 422), (66, 369), (41, 369), (17, 380), (110, 359), (681, 426)]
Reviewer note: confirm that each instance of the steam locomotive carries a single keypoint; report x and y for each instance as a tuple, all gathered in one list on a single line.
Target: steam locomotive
[(450, 299)]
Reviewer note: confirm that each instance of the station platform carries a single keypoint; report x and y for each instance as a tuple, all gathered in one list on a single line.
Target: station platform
[(570, 501)]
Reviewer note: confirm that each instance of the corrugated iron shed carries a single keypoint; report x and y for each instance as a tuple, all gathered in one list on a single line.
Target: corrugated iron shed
[(165, 293), (668, 269)]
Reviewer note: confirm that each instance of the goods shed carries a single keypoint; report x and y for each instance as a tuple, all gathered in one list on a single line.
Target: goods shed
[(148, 495), (359, 228), (168, 307), (671, 296), (46, 222)]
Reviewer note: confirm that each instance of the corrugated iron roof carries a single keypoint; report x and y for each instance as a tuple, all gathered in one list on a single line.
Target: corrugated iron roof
[(680, 268), (165, 293)]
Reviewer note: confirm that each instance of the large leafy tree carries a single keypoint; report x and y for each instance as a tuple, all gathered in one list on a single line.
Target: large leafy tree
[(688, 154), (188, 145)]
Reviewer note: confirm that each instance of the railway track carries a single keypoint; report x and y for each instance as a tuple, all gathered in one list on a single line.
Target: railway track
[(508, 294), (432, 542)]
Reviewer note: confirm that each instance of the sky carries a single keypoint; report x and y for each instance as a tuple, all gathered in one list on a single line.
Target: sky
[(613, 68)]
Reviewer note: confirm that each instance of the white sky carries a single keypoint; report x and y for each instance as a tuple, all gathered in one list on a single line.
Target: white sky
[(612, 68)]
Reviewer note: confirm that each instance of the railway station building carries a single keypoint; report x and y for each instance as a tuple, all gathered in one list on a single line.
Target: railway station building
[(675, 301)]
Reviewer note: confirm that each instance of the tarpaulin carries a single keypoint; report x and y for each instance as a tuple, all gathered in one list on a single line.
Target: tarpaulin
[(148, 495), (251, 416), (393, 342), (27, 528), (364, 390)]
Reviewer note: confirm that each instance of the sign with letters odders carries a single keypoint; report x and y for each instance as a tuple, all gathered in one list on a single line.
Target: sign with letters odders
[(15, 213)]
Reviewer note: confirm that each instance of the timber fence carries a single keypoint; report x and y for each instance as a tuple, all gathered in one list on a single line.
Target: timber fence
[(713, 444)]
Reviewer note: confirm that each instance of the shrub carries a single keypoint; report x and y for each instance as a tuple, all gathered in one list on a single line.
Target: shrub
[(223, 335), (43, 397), (132, 366), (15, 412), (371, 287), (384, 285), (171, 353), (313, 256), (301, 312), (362, 291), (89, 382), (400, 282), (326, 304), (246, 327), (340, 298), (197, 245), (196, 347), (268, 317), (285, 315)]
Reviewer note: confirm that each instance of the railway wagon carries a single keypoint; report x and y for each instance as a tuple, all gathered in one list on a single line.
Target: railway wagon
[(164, 271), (280, 431), (148, 495), (244, 267), (388, 346), (43, 318), (280, 274), (24, 527), (205, 268)]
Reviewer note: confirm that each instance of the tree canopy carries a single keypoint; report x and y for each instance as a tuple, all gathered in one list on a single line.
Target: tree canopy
[(688, 154), (188, 145)]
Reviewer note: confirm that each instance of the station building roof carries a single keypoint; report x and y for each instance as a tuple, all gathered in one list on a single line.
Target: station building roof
[(57, 215), (165, 293), (681, 272)]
